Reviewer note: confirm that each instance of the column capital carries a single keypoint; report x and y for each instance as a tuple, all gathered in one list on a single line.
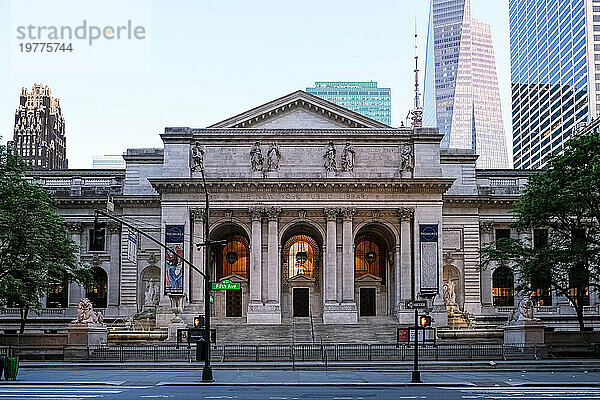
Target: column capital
[(255, 213), (197, 214), (273, 213), (486, 226), (113, 227), (405, 213), (347, 213), (330, 214), (75, 227)]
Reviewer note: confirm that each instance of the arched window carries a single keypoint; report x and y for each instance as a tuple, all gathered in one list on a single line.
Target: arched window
[(301, 256), (541, 295), (57, 296), (233, 260), (579, 280), (369, 257), (503, 287), (98, 289)]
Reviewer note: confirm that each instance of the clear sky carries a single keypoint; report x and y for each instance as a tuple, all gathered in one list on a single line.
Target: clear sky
[(209, 60)]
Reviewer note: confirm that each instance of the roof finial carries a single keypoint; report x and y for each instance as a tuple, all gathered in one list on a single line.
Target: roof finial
[(416, 115)]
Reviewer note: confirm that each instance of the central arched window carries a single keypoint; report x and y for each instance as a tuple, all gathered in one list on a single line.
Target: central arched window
[(301, 257), (234, 257), (503, 287), (369, 257)]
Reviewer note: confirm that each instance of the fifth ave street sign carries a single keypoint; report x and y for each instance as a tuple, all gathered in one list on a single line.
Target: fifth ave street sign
[(226, 285)]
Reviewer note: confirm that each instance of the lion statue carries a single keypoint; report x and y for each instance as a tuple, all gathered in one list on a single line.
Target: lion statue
[(86, 313), (524, 312)]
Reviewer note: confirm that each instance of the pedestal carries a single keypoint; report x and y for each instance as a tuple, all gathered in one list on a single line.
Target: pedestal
[(259, 314), (86, 334), (338, 314), (172, 330), (524, 332)]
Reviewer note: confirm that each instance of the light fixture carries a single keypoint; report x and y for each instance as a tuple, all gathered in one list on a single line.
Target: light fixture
[(371, 257), (231, 257)]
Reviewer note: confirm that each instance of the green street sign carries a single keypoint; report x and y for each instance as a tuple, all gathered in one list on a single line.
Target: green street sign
[(211, 299), (226, 285)]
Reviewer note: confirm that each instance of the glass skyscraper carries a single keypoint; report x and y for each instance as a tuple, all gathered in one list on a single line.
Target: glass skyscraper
[(364, 98), (461, 95), (555, 61)]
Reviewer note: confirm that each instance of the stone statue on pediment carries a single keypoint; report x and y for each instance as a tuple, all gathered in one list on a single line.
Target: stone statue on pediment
[(330, 165), (197, 157), (348, 158), (256, 158), (273, 157)]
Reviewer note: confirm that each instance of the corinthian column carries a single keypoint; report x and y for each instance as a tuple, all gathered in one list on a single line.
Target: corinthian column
[(274, 272), (347, 256), (405, 216), (256, 257), (196, 280), (76, 291), (114, 277), (330, 278)]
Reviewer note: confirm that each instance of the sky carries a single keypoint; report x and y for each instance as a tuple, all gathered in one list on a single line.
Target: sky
[(201, 61)]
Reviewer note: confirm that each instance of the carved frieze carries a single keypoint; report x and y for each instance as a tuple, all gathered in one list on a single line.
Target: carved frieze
[(273, 158), (348, 158)]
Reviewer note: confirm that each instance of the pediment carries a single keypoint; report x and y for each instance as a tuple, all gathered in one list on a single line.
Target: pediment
[(300, 278), (368, 278), (299, 110), (235, 278)]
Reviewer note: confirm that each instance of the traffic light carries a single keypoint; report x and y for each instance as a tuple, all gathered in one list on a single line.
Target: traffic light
[(425, 321), (199, 321)]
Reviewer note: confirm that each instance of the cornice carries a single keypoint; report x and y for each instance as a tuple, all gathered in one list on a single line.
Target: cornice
[(481, 201), (190, 185)]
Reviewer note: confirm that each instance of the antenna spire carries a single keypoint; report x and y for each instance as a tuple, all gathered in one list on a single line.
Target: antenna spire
[(416, 115)]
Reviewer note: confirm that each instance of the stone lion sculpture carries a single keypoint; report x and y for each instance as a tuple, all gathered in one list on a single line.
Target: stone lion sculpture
[(86, 313), (524, 312)]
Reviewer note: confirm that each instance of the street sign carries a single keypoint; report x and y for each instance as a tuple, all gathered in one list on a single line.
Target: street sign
[(226, 285), (415, 304), (110, 205), (132, 248)]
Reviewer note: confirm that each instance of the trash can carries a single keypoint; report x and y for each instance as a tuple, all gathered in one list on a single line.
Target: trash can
[(11, 368), (200, 349)]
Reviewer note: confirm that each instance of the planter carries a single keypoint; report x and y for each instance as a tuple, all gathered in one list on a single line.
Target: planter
[(11, 368)]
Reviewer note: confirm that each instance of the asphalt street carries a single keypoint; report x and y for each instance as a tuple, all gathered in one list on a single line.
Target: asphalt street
[(289, 393), (53, 383)]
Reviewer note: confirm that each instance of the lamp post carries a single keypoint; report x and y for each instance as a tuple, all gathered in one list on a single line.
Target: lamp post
[(207, 375)]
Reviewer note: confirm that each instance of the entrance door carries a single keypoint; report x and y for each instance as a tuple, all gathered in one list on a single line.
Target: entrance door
[(233, 300), (367, 302), (301, 302)]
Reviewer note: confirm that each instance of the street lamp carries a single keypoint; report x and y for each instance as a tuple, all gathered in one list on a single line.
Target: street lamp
[(207, 375)]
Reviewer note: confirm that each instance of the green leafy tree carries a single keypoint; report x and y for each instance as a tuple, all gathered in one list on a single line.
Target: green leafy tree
[(35, 249), (565, 200)]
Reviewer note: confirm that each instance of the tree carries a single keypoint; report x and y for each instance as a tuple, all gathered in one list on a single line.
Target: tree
[(565, 200), (35, 249)]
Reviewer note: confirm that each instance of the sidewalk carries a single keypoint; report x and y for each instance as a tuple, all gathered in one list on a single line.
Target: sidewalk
[(170, 377), (565, 365)]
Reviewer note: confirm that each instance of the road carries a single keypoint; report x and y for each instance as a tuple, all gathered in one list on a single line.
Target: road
[(78, 392)]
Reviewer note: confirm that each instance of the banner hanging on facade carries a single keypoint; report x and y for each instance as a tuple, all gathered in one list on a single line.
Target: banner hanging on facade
[(173, 264), (428, 235)]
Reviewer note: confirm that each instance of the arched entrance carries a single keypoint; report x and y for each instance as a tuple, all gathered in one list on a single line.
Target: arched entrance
[(373, 265), (231, 262), (301, 266), (453, 288)]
